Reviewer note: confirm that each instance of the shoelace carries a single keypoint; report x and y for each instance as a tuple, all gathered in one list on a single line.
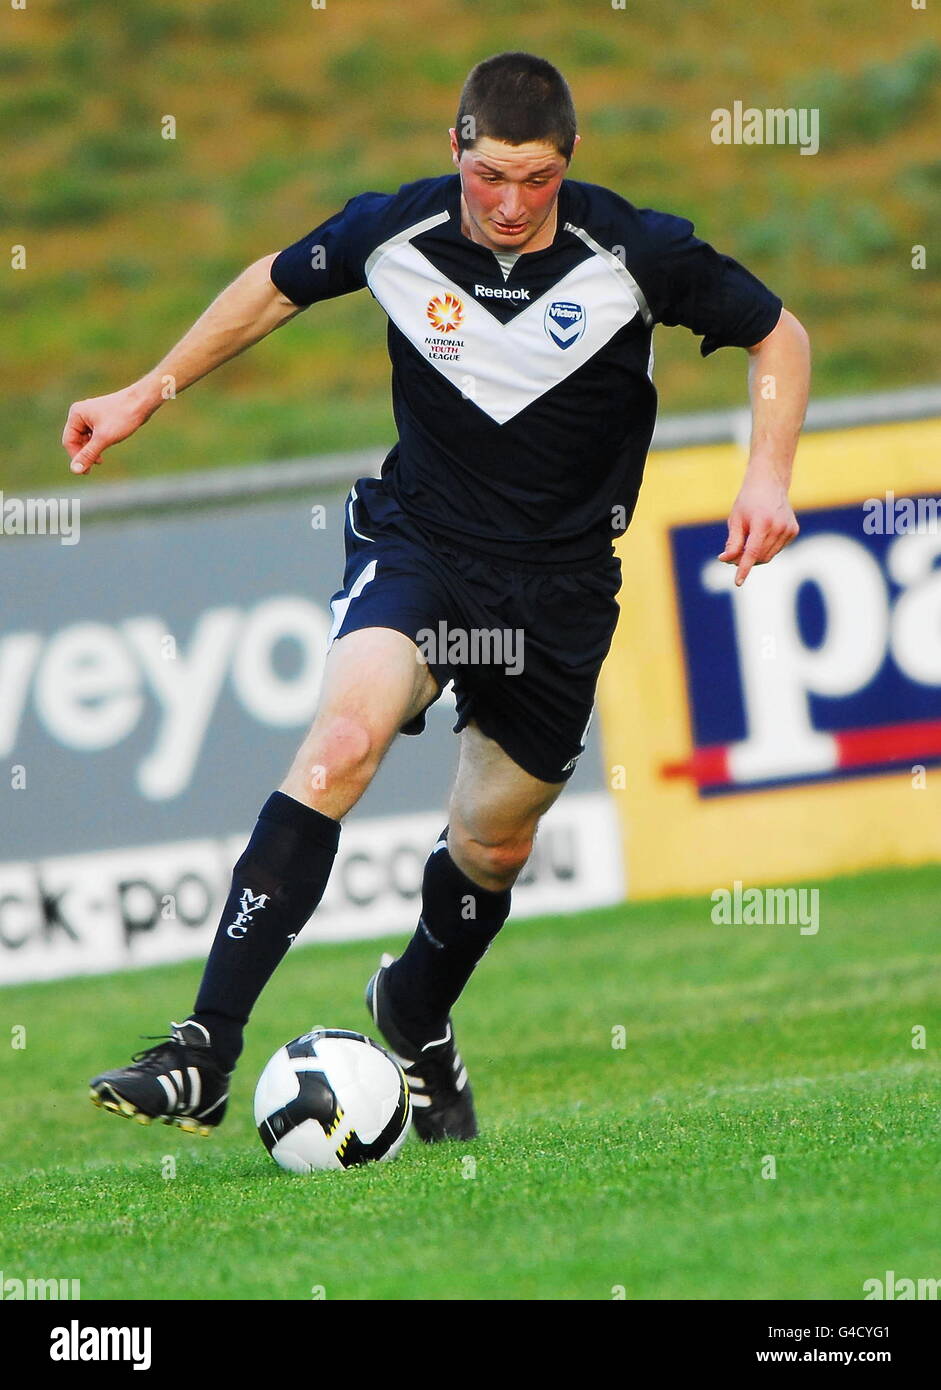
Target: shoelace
[(163, 1041)]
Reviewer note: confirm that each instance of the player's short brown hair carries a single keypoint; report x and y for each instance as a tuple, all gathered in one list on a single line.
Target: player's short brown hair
[(516, 98)]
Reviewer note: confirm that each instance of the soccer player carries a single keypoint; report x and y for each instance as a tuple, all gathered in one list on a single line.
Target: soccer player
[(520, 306)]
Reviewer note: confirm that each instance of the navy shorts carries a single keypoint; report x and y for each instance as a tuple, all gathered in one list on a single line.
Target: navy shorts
[(523, 644)]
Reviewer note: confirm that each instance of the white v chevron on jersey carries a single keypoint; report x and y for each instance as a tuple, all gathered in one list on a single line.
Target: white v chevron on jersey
[(522, 382), (503, 367)]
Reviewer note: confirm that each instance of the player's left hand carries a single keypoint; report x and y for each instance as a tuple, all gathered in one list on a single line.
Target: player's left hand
[(761, 523)]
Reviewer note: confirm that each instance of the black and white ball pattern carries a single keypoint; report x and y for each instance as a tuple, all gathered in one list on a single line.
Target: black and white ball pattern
[(331, 1099)]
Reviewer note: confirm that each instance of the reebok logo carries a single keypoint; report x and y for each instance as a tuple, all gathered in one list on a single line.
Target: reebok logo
[(485, 292), (249, 905)]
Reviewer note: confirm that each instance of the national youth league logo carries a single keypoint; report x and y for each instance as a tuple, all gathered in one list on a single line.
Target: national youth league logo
[(565, 322), (445, 313)]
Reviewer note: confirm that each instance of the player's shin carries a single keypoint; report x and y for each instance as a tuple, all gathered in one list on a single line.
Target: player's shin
[(276, 885), (459, 920)]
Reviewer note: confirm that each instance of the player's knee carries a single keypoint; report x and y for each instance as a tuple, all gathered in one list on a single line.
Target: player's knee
[(342, 747), (494, 862)]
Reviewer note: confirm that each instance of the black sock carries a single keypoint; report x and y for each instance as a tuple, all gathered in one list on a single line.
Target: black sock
[(276, 885), (459, 920)]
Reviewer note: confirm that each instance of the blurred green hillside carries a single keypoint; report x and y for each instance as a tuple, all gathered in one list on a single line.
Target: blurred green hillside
[(283, 111)]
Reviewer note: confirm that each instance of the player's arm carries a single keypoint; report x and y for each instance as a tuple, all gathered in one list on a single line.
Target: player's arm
[(248, 310), (686, 281), (762, 521)]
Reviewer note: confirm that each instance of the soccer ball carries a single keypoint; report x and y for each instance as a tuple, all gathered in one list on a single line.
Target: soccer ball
[(331, 1099)]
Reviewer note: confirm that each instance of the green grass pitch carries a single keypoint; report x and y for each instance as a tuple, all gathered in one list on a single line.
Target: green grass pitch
[(602, 1171)]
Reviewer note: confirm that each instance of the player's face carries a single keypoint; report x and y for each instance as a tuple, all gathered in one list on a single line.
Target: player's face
[(510, 192)]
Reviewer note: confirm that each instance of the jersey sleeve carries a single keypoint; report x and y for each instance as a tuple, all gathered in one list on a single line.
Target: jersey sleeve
[(686, 281), (331, 260)]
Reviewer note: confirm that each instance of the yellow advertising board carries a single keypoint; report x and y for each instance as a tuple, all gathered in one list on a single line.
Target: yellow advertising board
[(790, 729)]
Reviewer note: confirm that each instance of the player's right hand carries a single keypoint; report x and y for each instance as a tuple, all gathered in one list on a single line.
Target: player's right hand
[(96, 424)]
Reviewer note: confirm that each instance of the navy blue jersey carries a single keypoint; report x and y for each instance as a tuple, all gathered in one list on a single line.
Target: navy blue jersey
[(522, 384)]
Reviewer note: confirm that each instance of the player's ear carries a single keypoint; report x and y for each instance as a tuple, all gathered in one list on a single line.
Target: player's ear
[(455, 149), (575, 146)]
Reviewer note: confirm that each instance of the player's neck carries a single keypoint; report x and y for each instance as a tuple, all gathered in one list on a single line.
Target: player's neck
[(543, 238)]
